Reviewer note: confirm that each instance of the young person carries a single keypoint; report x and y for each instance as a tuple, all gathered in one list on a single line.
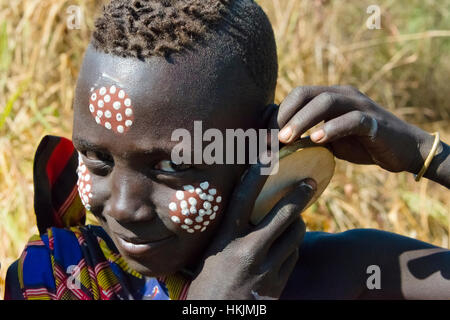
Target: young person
[(156, 66)]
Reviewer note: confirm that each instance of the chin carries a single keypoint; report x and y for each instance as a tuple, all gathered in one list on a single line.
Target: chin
[(150, 269)]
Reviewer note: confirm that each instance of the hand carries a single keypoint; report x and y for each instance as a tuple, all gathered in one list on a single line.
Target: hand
[(356, 129), (245, 261)]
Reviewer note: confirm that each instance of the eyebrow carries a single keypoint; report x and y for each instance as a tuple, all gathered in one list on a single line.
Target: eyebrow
[(84, 144)]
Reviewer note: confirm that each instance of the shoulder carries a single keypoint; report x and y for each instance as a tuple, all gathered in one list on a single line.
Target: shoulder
[(12, 283), (335, 266)]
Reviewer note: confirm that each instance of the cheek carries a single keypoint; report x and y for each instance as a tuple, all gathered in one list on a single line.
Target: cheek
[(84, 184), (194, 208), (111, 108)]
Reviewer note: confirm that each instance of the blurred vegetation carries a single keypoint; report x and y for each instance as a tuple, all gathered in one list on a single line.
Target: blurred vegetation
[(404, 66)]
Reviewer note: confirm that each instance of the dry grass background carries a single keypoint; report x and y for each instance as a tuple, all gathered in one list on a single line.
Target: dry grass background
[(405, 67)]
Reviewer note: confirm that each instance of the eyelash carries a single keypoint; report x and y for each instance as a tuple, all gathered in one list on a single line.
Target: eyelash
[(107, 162), (100, 164), (171, 165)]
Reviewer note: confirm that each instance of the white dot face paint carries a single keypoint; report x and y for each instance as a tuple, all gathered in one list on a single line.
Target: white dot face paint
[(84, 183), (111, 116), (179, 195), (173, 206), (194, 207), (175, 219)]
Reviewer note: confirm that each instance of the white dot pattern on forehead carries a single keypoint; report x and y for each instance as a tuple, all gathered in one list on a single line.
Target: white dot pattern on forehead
[(193, 206), (111, 116), (84, 183)]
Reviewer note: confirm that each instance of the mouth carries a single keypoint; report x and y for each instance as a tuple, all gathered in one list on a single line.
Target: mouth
[(138, 247)]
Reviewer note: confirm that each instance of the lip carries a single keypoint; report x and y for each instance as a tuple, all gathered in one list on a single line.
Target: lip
[(137, 247)]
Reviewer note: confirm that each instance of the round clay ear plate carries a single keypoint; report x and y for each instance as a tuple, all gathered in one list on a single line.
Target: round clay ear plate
[(298, 161)]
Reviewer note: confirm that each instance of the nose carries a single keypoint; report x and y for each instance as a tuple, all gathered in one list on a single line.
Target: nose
[(130, 197)]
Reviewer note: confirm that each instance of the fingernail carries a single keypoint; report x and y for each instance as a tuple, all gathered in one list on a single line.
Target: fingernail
[(285, 133), (318, 135), (309, 183)]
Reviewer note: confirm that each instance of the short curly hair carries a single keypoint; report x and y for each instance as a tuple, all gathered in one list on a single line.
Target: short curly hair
[(145, 28)]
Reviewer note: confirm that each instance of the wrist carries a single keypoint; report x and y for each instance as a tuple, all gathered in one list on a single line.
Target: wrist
[(438, 169), (424, 143)]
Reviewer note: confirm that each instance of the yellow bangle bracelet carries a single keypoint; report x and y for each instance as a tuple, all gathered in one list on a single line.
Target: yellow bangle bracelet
[(430, 157)]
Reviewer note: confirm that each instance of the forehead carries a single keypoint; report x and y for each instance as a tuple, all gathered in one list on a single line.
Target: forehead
[(166, 95)]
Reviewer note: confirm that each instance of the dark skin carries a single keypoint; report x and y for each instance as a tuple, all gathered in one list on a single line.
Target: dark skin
[(348, 114), (130, 190), (232, 258)]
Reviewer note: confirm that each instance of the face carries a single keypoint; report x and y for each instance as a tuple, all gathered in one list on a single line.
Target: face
[(160, 215)]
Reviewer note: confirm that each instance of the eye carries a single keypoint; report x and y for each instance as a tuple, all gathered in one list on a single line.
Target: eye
[(169, 166), (98, 156)]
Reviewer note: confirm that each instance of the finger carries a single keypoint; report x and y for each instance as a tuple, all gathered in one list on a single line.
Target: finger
[(295, 100), (323, 107), (286, 243), (352, 123), (243, 199), (300, 96), (288, 266), (284, 213)]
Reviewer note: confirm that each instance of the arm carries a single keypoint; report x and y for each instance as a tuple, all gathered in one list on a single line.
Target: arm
[(335, 266), (439, 169), (358, 130)]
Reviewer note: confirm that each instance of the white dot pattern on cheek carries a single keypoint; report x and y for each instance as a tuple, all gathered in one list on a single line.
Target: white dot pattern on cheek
[(113, 115), (84, 183), (192, 208)]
